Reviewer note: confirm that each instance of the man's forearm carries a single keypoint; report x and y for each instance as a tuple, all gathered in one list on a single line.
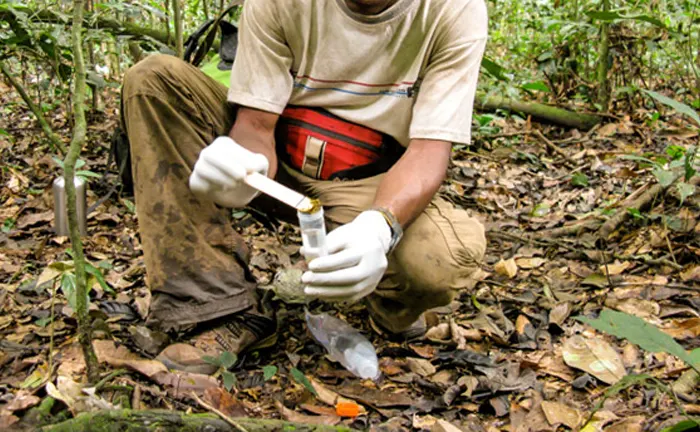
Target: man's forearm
[(412, 182), (255, 130)]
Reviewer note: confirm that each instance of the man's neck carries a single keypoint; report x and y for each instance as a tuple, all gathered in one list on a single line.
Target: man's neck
[(369, 7)]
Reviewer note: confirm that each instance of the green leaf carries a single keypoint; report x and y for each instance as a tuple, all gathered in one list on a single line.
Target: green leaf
[(59, 162), (301, 379), (675, 152), (68, 288), (579, 179), (639, 159), (494, 69), (4, 132), (86, 174), (540, 210), (230, 380), (97, 274), (8, 224), (43, 322), (685, 190), (678, 106), (212, 360), (228, 359), (685, 425), (638, 332), (79, 164), (536, 86), (664, 177), (635, 213), (269, 371), (129, 205)]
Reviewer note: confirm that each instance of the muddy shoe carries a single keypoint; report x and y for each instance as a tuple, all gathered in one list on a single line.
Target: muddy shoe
[(233, 334), (414, 332)]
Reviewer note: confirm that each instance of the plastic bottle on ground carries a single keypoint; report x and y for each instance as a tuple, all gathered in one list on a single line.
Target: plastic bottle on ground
[(344, 344)]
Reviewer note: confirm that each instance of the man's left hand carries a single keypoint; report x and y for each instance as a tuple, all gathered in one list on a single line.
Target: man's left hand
[(356, 261)]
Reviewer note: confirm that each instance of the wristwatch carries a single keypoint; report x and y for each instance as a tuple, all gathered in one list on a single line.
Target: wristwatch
[(394, 225)]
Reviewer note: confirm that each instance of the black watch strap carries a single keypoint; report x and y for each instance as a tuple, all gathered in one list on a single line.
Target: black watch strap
[(396, 229)]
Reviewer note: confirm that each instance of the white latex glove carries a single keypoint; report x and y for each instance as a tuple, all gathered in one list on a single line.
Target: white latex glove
[(219, 172), (355, 263)]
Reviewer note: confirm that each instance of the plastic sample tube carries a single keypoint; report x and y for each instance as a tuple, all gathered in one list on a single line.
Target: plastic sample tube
[(313, 232)]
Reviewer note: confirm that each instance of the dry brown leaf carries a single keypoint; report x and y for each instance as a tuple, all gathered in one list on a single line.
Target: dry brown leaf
[(328, 396), (691, 274), (683, 329), (616, 268), (445, 377), (22, 400), (630, 424), (420, 366), (224, 401), (296, 417), (30, 220), (560, 313), (529, 263), (558, 413), (439, 333), (594, 356), (507, 268), (645, 309), (423, 422), (444, 426), (425, 351), (7, 420), (390, 367)]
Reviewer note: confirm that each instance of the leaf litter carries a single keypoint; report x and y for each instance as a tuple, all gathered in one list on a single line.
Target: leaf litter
[(512, 353)]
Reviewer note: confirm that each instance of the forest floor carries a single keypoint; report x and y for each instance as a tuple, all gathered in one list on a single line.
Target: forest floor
[(508, 354)]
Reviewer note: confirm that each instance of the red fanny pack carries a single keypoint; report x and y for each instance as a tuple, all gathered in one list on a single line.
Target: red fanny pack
[(326, 147)]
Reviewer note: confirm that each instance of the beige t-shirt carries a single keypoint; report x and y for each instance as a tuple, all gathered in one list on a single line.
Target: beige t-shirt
[(410, 71)]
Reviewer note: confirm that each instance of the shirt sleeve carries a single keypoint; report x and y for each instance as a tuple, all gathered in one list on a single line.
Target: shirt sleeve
[(261, 77), (445, 99)]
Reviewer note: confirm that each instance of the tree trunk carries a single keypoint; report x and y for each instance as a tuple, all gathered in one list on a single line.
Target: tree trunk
[(177, 16), (539, 111), (604, 89), (53, 138), (76, 145), (161, 420)]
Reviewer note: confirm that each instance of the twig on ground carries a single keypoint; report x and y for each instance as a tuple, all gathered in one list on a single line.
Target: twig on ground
[(553, 147), (109, 377), (666, 285), (651, 261), (223, 416), (541, 241)]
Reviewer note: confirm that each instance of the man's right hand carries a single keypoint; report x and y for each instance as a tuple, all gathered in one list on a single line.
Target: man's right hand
[(220, 170)]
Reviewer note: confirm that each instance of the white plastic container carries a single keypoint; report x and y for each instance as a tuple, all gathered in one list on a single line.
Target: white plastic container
[(345, 345), (313, 233)]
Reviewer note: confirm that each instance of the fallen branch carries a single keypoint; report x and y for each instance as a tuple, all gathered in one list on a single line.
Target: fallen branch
[(90, 21), (50, 134), (163, 420), (640, 204), (539, 111)]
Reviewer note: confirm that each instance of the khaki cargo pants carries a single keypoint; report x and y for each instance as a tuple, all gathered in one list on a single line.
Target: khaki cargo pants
[(197, 264)]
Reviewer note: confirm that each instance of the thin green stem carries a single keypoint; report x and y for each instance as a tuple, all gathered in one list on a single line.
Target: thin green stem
[(76, 145)]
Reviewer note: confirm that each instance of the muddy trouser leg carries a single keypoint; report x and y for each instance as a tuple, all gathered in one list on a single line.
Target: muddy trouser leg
[(196, 263), (438, 256)]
